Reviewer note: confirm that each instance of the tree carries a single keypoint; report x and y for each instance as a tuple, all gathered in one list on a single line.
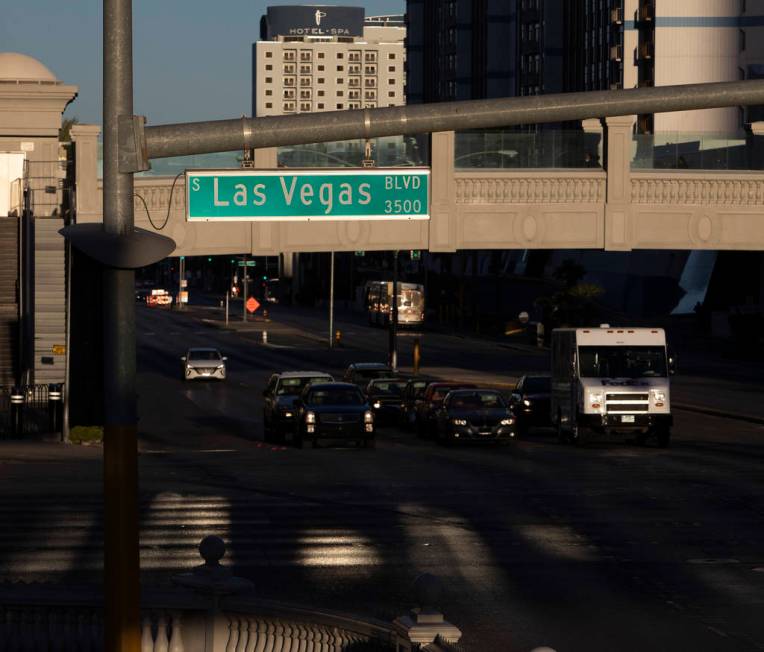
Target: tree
[(64, 135)]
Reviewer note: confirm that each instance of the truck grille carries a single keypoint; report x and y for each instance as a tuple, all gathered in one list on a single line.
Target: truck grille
[(627, 397)]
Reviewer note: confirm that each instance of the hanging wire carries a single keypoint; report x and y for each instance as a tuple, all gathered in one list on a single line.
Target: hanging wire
[(169, 204)]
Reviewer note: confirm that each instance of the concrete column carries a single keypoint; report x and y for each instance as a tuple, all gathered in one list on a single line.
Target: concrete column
[(266, 236), (89, 203), (618, 226), (442, 232)]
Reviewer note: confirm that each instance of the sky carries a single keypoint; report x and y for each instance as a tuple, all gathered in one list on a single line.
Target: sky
[(192, 58)]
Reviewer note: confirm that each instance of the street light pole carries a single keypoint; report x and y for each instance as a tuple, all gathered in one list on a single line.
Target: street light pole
[(120, 448), (331, 301), (245, 271), (393, 357)]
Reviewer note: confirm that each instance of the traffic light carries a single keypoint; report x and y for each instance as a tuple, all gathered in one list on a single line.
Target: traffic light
[(265, 278), (416, 254), (209, 260)]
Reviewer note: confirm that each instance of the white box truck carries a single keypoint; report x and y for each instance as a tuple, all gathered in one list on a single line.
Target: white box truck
[(611, 380)]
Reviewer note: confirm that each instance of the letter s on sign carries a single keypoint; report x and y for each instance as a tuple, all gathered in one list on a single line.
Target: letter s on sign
[(195, 184)]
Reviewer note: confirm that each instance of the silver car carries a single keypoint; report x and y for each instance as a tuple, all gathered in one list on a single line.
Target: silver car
[(204, 363)]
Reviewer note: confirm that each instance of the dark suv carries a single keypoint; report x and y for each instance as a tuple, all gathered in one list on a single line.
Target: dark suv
[(360, 373), (279, 410)]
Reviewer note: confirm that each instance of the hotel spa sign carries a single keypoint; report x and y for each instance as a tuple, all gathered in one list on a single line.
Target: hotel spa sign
[(313, 21)]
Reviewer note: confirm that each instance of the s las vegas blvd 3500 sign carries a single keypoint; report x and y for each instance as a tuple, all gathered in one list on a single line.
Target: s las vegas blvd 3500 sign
[(332, 194)]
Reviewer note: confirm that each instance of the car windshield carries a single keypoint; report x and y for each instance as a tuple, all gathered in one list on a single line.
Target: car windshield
[(338, 396), (207, 354), (540, 385), (388, 387), (476, 401), (372, 373), (294, 386), (622, 361), (439, 393)]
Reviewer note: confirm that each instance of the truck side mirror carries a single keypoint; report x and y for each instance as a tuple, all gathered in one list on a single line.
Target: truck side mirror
[(672, 364)]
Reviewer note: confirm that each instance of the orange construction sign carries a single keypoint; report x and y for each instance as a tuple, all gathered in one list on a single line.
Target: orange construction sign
[(252, 304)]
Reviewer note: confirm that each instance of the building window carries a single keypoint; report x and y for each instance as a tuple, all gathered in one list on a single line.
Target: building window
[(320, 55), (391, 94), (340, 68), (269, 67), (269, 80), (391, 82), (320, 105), (340, 93), (269, 105), (391, 55), (340, 80), (390, 68), (320, 93), (340, 55), (321, 80), (269, 55), (305, 106), (340, 106), (269, 92), (742, 40), (320, 67)]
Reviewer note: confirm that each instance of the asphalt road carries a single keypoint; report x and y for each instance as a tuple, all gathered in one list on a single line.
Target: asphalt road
[(607, 547)]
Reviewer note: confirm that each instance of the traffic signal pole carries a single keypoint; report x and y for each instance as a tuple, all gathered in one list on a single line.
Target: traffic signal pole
[(393, 357), (120, 442)]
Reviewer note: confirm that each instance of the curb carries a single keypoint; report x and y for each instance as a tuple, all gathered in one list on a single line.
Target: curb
[(748, 418)]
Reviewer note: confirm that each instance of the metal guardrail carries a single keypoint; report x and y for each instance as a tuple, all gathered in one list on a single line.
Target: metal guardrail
[(31, 410)]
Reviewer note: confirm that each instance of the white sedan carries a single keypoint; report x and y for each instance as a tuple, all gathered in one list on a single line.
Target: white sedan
[(204, 363)]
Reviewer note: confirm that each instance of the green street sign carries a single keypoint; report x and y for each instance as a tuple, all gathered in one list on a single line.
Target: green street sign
[(295, 195), (360, 254), (247, 263)]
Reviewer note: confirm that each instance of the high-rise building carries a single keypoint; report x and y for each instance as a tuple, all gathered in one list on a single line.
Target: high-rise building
[(472, 49), (327, 58)]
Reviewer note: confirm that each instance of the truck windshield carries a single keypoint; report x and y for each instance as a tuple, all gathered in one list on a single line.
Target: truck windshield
[(622, 361)]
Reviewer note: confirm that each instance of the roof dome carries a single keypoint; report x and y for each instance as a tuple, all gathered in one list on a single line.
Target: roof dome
[(15, 66)]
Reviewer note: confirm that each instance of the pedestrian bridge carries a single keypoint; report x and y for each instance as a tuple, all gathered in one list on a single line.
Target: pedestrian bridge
[(621, 205)]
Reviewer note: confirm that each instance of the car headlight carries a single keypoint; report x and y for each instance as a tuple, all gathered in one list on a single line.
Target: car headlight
[(659, 395), (221, 366), (310, 417), (368, 416), (377, 405), (288, 415), (507, 422), (459, 422), (526, 402)]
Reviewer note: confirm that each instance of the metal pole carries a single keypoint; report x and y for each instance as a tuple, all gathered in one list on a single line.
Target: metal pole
[(246, 290), (67, 342), (227, 135), (181, 278), (120, 454), (394, 316), (331, 301), (227, 295)]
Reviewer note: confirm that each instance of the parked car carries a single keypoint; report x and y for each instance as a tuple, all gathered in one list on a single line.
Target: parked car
[(412, 395), (360, 373), (385, 395), (530, 402), (204, 363), (431, 402), (334, 411), (280, 395), (475, 414)]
